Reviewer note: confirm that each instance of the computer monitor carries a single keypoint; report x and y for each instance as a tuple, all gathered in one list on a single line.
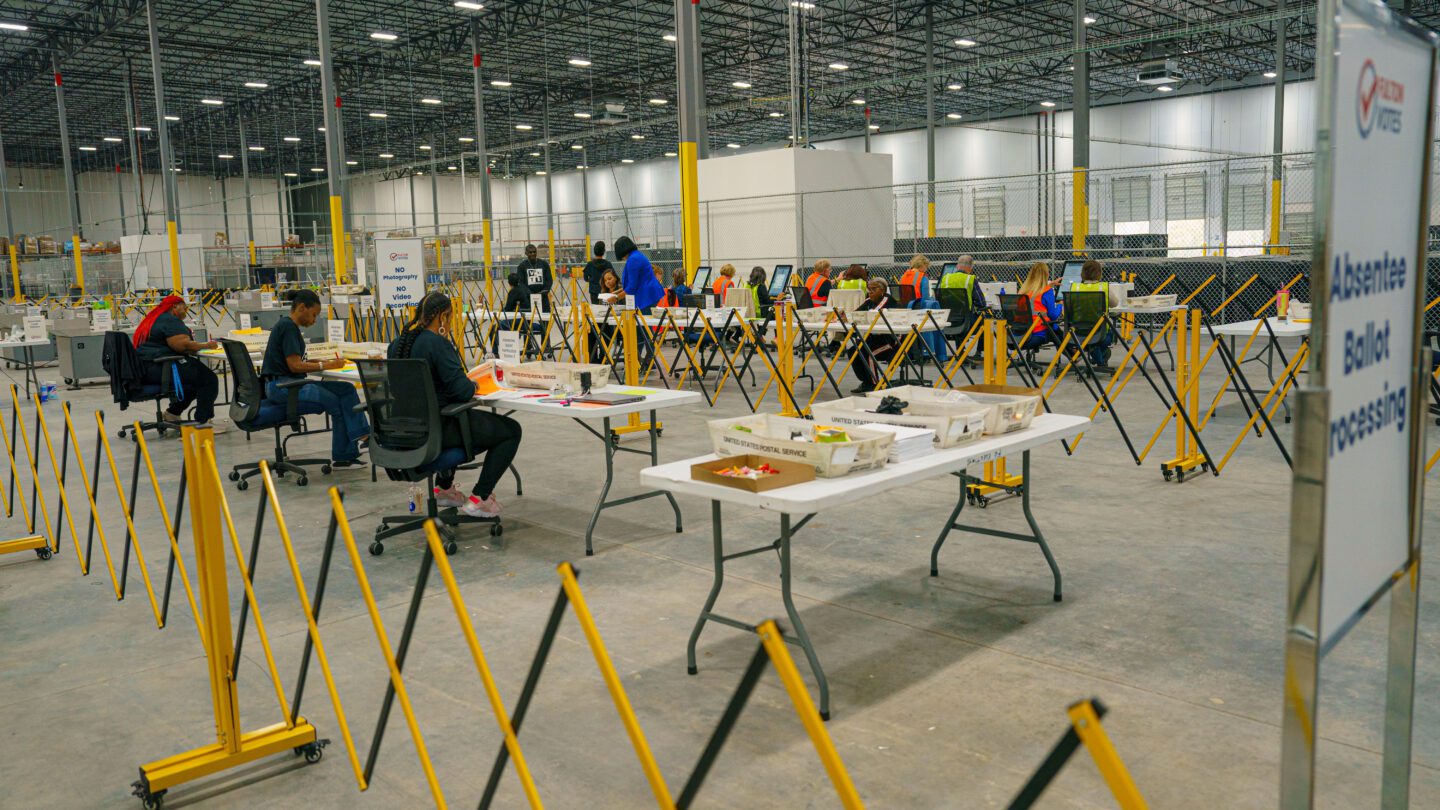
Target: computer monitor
[(948, 268), (702, 277), (1071, 275), (780, 279)]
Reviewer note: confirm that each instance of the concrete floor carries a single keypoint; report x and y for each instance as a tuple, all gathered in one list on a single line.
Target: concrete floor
[(948, 692)]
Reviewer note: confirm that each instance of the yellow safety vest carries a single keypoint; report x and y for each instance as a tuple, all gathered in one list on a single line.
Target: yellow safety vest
[(1093, 286)]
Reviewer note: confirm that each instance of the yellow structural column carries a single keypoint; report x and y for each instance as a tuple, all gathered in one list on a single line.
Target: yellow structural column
[(689, 210), (550, 240), (79, 263), (930, 218), (174, 237), (1274, 241), (252, 251), (489, 276), (15, 274), (337, 239), (1080, 212)]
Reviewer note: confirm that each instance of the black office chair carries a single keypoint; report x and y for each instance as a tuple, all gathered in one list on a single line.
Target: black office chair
[(128, 385), (252, 414), (801, 296), (1018, 316), (406, 423), (1083, 310)]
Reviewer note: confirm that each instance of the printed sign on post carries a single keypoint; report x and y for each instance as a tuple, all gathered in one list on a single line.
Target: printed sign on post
[(367, 303), (32, 310), (245, 320), (509, 346), (1382, 91), (36, 328), (536, 303), (334, 330), (399, 268), (102, 320)]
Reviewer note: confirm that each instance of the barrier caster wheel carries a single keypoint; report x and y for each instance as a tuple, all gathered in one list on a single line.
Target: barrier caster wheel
[(377, 548), (496, 530), (451, 547), (242, 485), (660, 432), (325, 470), (982, 501), (43, 552), (234, 475), (70, 382), (313, 753), (1179, 476), (122, 433), (302, 481), (1167, 473), (384, 527)]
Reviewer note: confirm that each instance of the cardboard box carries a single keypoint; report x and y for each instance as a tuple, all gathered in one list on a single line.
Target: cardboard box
[(47, 244), (791, 472)]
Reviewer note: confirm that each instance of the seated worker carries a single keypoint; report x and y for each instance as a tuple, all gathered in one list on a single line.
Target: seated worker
[(638, 276), (724, 282), (819, 283), (963, 278), (854, 278), (284, 359), (609, 286), (595, 268), (672, 295), (514, 306), (915, 277), (1044, 306), (759, 293), (426, 337), (161, 333), (882, 347), (1098, 348)]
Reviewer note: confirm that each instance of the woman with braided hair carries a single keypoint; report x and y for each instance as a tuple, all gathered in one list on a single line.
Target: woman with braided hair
[(426, 337)]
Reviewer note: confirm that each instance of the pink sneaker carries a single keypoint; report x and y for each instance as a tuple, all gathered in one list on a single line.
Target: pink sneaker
[(452, 497), (483, 509)]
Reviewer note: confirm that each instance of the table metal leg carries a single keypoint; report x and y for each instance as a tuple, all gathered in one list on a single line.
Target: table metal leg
[(609, 442), (1036, 537), (715, 586), (655, 462), (30, 371), (795, 619), (612, 447)]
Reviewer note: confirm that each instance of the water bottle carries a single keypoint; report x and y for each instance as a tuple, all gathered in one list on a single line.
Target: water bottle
[(414, 498)]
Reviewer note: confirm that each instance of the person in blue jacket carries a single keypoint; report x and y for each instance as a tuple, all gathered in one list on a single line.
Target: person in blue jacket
[(638, 277)]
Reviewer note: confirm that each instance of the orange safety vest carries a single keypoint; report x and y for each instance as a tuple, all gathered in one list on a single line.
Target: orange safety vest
[(1038, 310), (814, 283), (914, 278), (721, 285)]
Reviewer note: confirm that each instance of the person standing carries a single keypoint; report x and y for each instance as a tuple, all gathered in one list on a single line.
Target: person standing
[(284, 359), (161, 333), (638, 276), (535, 278), (595, 270)]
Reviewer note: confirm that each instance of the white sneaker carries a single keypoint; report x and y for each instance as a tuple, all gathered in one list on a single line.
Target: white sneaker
[(474, 507), (452, 497)]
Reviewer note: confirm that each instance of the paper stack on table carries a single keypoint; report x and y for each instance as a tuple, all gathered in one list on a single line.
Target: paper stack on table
[(910, 443)]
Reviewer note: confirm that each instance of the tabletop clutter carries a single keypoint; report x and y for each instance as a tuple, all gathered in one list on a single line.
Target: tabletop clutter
[(858, 434)]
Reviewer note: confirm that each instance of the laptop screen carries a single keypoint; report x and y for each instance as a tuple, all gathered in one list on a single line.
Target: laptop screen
[(1071, 275), (780, 279), (948, 268)]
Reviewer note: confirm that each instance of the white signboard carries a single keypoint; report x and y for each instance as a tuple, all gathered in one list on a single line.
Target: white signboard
[(32, 310), (102, 320), (1382, 85), (536, 302), (245, 320), (367, 303), (35, 328), (509, 346), (399, 270), (334, 330)]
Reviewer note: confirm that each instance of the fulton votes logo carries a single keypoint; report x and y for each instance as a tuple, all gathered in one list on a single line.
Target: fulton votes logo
[(1377, 101), (398, 256)]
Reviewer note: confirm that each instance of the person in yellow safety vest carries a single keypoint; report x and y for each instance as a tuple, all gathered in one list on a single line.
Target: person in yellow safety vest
[(819, 283), (915, 277), (854, 278), (963, 278), (722, 284), (1098, 347), (759, 293)]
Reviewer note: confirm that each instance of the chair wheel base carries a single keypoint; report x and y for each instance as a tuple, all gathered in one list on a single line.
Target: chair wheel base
[(377, 548), (692, 670)]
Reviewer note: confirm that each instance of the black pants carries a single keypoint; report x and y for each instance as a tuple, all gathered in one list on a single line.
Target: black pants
[(883, 349), (198, 385), (498, 437)]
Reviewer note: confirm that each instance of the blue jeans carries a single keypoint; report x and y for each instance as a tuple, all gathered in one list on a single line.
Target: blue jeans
[(347, 426)]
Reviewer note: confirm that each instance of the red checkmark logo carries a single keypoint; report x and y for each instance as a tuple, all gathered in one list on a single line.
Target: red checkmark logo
[(1367, 94)]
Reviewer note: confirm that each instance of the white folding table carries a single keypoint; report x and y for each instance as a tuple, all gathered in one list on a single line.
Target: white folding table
[(807, 499), (29, 364), (1151, 327), (582, 414), (1274, 330)]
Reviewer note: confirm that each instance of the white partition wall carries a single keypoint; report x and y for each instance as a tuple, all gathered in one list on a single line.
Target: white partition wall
[(145, 261), (792, 206)]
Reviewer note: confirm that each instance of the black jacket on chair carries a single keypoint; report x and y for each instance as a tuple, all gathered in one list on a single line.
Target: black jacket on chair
[(127, 371)]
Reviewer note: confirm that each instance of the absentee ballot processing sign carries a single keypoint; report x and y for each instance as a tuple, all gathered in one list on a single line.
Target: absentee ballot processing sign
[(1374, 275), (399, 269)]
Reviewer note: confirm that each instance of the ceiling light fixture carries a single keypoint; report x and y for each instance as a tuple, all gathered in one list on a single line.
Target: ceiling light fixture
[(213, 102), (87, 149), (1165, 88), (953, 116), (316, 169), (466, 139), (873, 127), (291, 139), (581, 115), (378, 114), (172, 118), (1089, 20), (670, 38), (424, 147), (1269, 74), (225, 157), (314, 63), (839, 66), (14, 27), (659, 102), (431, 101), (857, 101), (776, 114), (1047, 104), (386, 156), (670, 154), (114, 140), (352, 163), (499, 83), (802, 5), (966, 43), (956, 86), (256, 148), (577, 146), (256, 85), (627, 160), (741, 85), (320, 129), (142, 129), (451, 168), (524, 127), (534, 154), (637, 137), (469, 6), (578, 62), (540, 173), (291, 174), (582, 167), (384, 36), (732, 146)]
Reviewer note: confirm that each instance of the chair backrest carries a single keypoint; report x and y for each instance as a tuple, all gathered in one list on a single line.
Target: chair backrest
[(1016, 309), (249, 393), (404, 412), (801, 296), (1084, 309), (957, 300)]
